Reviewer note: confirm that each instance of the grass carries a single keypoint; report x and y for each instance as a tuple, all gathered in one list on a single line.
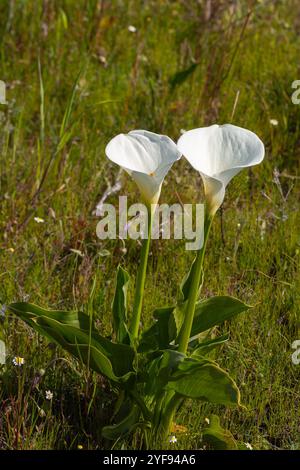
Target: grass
[(76, 76)]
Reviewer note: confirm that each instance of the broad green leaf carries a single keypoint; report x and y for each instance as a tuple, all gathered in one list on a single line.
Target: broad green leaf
[(73, 318), (127, 425), (207, 346), (169, 363), (149, 340), (165, 330), (176, 320), (169, 320), (161, 369), (151, 379), (157, 336), (214, 311), (163, 316), (120, 356), (187, 280), (80, 348), (119, 306), (217, 437), (113, 360), (204, 380)]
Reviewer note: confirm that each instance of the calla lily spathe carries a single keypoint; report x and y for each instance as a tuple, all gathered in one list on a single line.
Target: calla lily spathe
[(147, 157), (219, 153)]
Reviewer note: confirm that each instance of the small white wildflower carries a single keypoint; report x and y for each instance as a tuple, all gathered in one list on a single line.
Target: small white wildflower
[(49, 395), (274, 122), (249, 446), (207, 420), (38, 220), (132, 29), (238, 225), (173, 440), (18, 361)]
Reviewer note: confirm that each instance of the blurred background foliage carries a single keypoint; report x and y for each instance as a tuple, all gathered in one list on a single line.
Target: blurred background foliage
[(79, 72)]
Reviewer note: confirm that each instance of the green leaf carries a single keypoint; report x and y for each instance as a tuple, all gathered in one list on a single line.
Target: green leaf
[(187, 280), (207, 346), (182, 76), (119, 306), (124, 427), (217, 437), (204, 380), (165, 330), (115, 361), (149, 339), (160, 370), (214, 311), (169, 320), (158, 335), (163, 315), (176, 320), (73, 318)]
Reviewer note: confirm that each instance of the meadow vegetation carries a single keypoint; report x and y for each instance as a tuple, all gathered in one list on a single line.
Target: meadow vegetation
[(78, 73)]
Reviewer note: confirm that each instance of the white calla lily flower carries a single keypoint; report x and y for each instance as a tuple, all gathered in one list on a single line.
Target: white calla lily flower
[(219, 153), (147, 157)]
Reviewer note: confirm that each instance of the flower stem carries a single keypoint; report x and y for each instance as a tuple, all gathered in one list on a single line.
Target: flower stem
[(140, 281), (193, 294), (172, 400), (162, 428)]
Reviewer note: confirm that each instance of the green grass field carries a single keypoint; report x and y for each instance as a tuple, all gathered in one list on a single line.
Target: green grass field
[(77, 75)]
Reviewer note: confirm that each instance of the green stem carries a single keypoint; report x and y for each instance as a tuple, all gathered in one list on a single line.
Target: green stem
[(140, 281), (172, 400), (143, 407), (194, 290), (161, 431)]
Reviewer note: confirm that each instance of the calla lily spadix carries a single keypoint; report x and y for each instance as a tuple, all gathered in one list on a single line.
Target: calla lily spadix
[(147, 157), (219, 153)]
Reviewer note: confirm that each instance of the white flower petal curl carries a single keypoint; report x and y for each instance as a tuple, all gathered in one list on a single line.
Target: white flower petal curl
[(147, 157), (219, 153)]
